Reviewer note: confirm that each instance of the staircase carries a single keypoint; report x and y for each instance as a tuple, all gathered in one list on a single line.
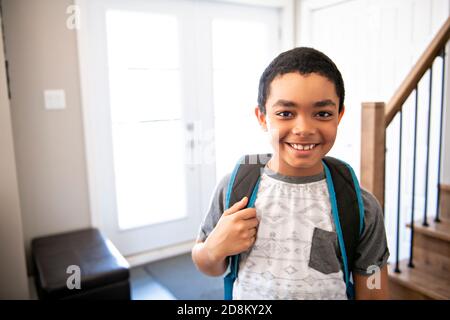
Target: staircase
[(430, 277), (426, 274)]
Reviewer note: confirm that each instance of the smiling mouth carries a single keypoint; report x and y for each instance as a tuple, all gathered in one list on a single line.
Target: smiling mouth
[(302, 147)]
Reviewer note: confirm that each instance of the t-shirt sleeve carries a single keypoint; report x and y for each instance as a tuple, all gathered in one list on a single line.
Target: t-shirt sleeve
[(215, 209), (372, 249)]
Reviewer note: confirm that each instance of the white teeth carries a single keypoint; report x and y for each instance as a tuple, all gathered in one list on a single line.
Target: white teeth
[(302, 147), (296, 146)]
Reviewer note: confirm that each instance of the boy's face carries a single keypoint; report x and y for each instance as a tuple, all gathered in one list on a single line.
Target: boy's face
[(302, 111)]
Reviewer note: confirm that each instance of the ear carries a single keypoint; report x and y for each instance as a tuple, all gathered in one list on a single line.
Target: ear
[(261, 118), (341, 114)]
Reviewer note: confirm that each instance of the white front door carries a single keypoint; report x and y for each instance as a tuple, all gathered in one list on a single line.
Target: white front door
[(150, 77)]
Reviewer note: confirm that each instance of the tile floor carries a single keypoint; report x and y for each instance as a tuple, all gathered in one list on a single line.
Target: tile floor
[(144, 287)]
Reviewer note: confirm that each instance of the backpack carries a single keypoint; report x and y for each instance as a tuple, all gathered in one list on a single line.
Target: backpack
[(346, 206)]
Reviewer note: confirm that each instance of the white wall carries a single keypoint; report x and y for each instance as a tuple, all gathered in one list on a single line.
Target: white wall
[(446, 130), (13, 278)]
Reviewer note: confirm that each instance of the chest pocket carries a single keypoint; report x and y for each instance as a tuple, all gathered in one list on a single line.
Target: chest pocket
[(324, 255)]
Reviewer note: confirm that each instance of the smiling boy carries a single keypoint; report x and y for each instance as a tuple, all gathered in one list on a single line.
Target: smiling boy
[(288, 243)]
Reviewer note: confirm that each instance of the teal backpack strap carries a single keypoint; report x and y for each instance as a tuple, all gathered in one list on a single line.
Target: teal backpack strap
[(244, 181), (347, 211)]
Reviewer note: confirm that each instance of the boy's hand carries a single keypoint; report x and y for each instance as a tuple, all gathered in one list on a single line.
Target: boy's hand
[(234, 233)]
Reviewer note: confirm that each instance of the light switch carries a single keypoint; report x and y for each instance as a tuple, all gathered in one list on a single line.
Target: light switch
[(55, 99)]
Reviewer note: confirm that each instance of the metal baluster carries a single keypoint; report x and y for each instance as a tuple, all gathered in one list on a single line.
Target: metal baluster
[(425, 222), (436, 219), (410, 264), (397, 269)]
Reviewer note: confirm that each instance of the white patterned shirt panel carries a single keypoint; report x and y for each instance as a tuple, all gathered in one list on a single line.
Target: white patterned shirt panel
[(278, 265)]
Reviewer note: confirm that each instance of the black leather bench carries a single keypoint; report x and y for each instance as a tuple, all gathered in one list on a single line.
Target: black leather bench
[(104, 272)]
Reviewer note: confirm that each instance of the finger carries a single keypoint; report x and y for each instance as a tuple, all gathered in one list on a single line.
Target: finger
[(252, 232), (251, 223), (248, 213), (236, 207)]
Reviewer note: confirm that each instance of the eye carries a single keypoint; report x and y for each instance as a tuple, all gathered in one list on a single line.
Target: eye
[(324, 114), (284, 114)]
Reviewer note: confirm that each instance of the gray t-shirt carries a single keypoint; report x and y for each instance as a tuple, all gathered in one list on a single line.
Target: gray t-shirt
[(297, 247)]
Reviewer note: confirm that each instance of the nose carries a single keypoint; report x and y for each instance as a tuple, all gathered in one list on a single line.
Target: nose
[(303, 127)]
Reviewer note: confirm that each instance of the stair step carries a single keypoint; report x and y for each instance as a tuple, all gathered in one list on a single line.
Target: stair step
[(438, 230), (432, 247), (424, 283)]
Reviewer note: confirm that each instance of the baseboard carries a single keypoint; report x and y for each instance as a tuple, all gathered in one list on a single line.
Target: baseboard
[(159, 254)]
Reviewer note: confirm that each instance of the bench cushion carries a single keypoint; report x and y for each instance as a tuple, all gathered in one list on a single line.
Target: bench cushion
[(101, 266)]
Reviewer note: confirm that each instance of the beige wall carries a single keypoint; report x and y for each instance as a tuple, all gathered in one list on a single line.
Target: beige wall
[(49, 145), (13, 277)]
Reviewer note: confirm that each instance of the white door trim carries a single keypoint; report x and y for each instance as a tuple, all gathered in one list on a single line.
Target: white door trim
[(146, 257), (87, 99)]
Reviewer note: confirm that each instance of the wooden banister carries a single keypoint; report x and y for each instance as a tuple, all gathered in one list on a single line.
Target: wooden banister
[(373, 149), (425, 61)]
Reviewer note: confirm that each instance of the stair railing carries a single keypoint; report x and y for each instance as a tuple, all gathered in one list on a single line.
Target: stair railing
[(376, 118)]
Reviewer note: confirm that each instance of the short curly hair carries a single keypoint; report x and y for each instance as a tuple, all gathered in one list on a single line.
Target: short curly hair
[(303, 60)]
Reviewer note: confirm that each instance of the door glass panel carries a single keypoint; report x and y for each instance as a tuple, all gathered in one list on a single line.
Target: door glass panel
[(146, 118)]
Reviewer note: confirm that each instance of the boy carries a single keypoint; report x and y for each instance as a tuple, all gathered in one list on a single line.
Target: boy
[(287, 243)]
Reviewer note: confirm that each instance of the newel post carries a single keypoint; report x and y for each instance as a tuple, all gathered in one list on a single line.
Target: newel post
[(373, 158)]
